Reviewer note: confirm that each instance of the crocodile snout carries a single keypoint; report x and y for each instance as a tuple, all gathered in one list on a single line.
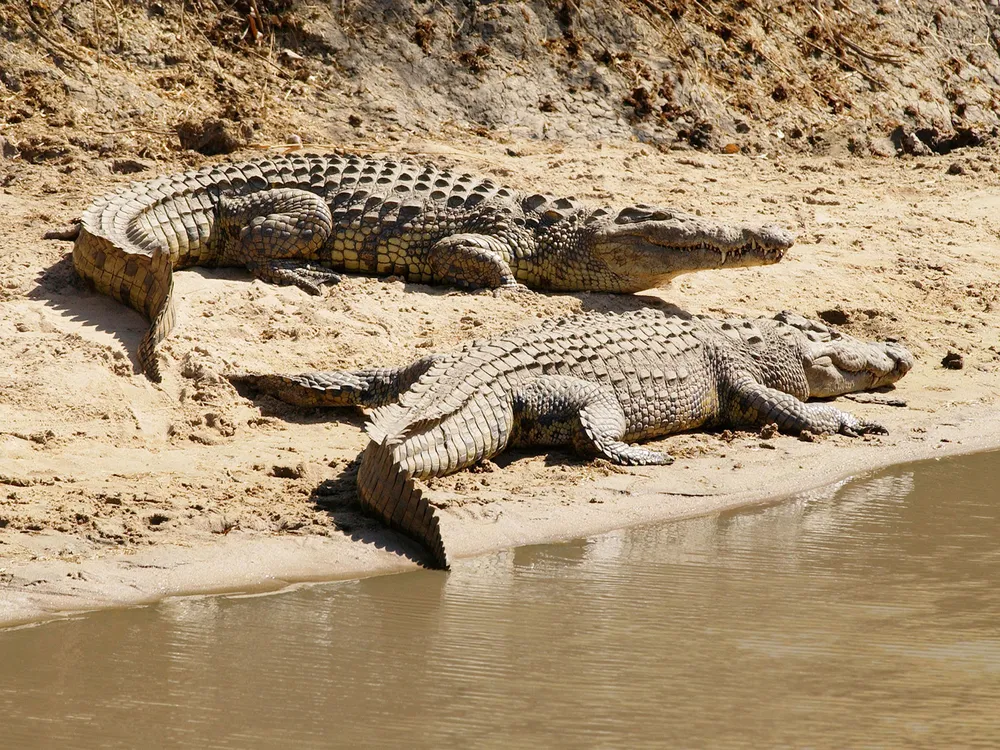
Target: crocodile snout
[(902, 357), (769, 236)]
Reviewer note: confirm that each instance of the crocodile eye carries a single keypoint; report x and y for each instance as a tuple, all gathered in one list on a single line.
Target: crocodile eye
[(632, 214), (661, 214)]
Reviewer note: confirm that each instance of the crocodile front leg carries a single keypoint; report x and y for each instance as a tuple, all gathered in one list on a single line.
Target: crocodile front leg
[(376, 387), (758, 405), (471, 261), (279, 235), (560, 410)]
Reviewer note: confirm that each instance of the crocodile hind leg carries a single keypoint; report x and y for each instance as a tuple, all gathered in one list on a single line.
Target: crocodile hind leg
[(758, 405), (279, 235), (560, 410), (471, 261), (375, 387), (308, 277)]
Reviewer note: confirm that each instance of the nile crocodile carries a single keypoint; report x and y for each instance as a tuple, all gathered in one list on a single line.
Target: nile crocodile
[(297, 219), (597, 382)]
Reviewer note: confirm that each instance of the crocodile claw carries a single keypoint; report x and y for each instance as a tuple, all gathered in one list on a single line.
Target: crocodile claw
[(859, 427)]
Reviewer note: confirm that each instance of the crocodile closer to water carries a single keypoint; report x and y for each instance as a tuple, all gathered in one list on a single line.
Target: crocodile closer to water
[(297, 219), (597, 382)]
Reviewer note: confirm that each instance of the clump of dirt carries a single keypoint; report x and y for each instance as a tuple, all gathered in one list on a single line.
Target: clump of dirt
[(213, 136)]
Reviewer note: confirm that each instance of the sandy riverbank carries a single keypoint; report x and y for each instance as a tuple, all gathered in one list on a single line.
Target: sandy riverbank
[(49, 588), (116, 491)]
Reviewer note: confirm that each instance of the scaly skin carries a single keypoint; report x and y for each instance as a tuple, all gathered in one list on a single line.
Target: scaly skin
[(297, 219), (597, 382)]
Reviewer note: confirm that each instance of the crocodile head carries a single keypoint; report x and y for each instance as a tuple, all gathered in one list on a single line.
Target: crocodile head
[(645, 246), (836, 363)]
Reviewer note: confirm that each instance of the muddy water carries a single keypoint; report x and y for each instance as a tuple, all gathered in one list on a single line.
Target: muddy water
[(866, 615)]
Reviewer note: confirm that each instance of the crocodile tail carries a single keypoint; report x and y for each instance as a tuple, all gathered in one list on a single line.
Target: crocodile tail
[(382, 423), (387, 490), (143, 281), (160, 311)]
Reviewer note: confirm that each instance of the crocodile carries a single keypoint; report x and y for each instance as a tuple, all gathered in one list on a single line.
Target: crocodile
[(598, 382), (298, 219)]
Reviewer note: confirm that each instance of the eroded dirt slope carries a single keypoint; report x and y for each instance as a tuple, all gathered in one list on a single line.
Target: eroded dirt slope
[(113, 78)]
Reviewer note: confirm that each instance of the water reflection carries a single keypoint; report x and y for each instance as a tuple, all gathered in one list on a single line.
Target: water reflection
[(864, 615)]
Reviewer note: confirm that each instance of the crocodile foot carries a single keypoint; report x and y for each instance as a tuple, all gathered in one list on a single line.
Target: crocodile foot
[(308, 277)]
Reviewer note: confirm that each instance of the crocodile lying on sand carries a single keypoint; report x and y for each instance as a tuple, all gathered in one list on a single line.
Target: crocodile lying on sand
[(297, 219), (597, 382)]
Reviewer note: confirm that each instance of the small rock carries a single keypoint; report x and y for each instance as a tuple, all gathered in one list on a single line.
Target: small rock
[(807, 437), (956, 168), (913, 145), (907, 142), (66, 233), (768, 431), (953, 361), (882, 147)]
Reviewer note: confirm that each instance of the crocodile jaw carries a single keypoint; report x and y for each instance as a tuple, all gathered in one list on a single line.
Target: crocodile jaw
[(836, 363), (848, 365), (649, 253)]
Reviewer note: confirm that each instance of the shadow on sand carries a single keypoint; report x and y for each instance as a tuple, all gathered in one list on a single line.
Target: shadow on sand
[(619, 303), (61, 289), (338, 498)]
